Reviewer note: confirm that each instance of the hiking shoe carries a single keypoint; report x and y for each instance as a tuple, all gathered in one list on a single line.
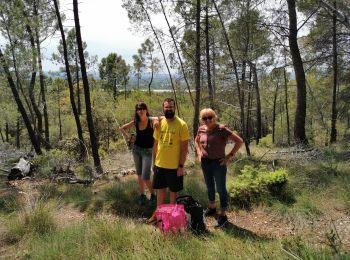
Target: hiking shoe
[(222, 220), (210, 212), (153, 200), (142, 200), (152, 220)]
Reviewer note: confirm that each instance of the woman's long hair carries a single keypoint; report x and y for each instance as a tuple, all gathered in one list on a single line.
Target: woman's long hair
[(140, 104)]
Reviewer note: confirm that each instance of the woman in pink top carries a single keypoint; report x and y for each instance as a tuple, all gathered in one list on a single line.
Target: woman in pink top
[(210, 144)]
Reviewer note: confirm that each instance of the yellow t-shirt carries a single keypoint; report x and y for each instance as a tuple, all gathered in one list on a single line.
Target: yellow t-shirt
[(169, 135)]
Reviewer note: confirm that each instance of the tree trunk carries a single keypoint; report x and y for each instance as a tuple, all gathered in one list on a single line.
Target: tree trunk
[(249, 107), (70, 83), (207, 52), (115, 89), (274, 113), (151, 80), (14, 61), (258, 104), (2, 136), (77, 79), (21, 108), (18, 134), (235, 70), (286, 103), (300, 113), (178, 52), (333, 138), (108, 133), (7, 132), (42, 83), (213, 67), (89, 118), (197, 70), (20, 170), (59, 111), (32, 86)]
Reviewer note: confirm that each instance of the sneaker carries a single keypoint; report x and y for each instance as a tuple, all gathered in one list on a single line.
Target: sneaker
[(222, 220), (142, 200), (152, 220), (153, 200), (210, 212)]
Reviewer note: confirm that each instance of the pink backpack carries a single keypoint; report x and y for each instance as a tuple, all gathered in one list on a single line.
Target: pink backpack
[(171, 217)]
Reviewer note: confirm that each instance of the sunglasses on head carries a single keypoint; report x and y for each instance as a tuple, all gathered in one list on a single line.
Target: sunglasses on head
[(204, 118), (140, 108)]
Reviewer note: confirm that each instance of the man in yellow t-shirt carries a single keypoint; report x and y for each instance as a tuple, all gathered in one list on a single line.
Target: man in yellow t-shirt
[(169, 154)]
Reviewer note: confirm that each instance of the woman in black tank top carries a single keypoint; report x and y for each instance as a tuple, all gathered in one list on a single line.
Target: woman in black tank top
[(143, 148)]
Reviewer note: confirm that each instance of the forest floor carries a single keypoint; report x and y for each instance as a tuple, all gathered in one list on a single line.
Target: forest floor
[(258, 221)]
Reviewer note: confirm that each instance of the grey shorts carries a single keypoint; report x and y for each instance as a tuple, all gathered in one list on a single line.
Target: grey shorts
[(143, 161)]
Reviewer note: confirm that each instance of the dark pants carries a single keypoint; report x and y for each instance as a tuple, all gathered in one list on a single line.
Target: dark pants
[(215, 175)]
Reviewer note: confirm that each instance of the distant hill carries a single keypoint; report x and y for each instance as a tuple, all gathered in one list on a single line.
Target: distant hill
[(160, 80)]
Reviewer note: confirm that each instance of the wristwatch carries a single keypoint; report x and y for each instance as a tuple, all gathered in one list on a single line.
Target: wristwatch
[(181, 165)]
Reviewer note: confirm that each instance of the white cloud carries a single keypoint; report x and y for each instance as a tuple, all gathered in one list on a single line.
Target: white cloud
[(105, 28)]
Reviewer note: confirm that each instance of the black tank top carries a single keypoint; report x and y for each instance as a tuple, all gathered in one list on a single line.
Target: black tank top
[(144, 138)]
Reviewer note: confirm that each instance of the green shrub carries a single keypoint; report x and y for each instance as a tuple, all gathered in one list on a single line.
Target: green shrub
[(266, 141), (51, 159), (255, 183)]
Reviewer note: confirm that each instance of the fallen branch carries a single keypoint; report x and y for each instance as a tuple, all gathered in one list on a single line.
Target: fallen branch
[(22, 169)]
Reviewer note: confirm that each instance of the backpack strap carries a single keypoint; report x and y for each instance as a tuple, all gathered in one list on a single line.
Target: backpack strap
[(150, 122)]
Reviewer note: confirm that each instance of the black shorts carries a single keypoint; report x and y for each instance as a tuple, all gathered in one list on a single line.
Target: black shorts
[(164, 178)]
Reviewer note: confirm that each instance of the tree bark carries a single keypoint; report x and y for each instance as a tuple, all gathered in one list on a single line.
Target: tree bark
[(286, 104), (300, 113), (2, 136), (197, 70), (32, 86), (77, 79), (20, 106), (7, 132), (89, 118), (59, 111), (235, 70), (18, 134), (258, 104), (207, 52), (274, 112), (333, 138), (70, 83), (42, 84)]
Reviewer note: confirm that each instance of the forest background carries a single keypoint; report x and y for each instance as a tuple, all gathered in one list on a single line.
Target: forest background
[(277, 72)]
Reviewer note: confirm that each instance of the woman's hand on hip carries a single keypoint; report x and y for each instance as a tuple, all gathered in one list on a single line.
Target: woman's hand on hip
[(225, 160)]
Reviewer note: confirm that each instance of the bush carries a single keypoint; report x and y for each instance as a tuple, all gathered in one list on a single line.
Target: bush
[(266, 141), (255, 183), (49, 160)]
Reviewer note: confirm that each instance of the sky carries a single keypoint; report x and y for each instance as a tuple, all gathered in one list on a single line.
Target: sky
[(105, 28)]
